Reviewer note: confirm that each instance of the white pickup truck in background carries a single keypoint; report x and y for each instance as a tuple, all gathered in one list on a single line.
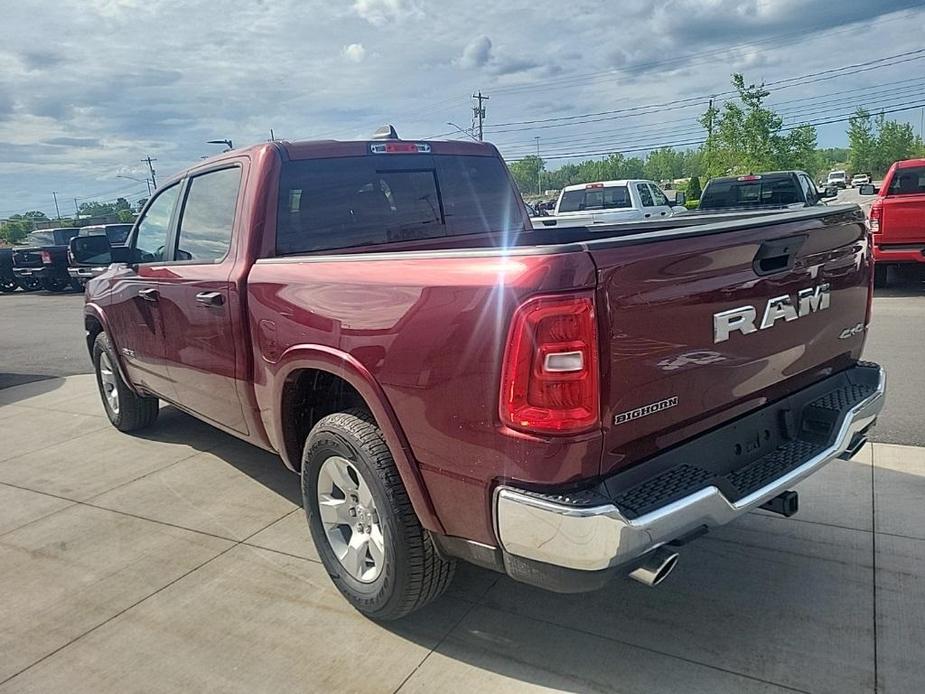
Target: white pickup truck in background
[(609, 202)]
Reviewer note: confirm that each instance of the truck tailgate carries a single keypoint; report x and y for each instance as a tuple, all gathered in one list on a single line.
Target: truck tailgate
[(700, 326)]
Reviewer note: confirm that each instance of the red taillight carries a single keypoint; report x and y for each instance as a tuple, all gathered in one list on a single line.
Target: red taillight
[(594, 185), (750, 177), (876, 214), (46, 257), (549, 379)]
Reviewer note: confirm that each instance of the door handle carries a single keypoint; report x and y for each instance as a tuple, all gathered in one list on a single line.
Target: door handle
[(663, 214), (210, 298), (149, 294), (648, 215)]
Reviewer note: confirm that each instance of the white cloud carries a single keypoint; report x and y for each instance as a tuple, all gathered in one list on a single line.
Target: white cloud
[(477, 53), (355, 52), (380, 12), (75, 114)]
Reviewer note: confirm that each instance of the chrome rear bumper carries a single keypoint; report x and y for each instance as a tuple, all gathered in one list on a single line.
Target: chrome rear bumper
[(593, 538)]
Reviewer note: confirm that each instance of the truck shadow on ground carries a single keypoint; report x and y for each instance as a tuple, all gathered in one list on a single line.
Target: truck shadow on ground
[(764, 600), (903, 282)]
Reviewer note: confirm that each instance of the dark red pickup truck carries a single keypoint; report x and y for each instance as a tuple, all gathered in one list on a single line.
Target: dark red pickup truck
[(559, 405)]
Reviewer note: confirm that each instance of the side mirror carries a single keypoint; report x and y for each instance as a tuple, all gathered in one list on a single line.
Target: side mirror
[(90, 250), (867, 189), (830, 192), (680, 198), (121, 254)]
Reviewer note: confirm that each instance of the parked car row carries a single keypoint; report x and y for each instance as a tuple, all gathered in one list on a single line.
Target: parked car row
[(59, 259)]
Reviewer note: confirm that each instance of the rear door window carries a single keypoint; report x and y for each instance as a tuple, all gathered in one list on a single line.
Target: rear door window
[(645, 194), (377, 199), (658, 196), (909, 181), (207, 221)]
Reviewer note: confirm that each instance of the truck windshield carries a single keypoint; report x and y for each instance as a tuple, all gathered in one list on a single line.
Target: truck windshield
[(376, 199), (609, 198), (767, 190)]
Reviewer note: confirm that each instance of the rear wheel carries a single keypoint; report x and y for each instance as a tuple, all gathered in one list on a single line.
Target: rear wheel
[(55, 284), (8, 284), (365, 530), (126, 410)]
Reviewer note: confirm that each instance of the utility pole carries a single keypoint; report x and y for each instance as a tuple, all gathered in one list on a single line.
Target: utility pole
[(149, 161), (272, 138), (479, 111), (57, 211), (710, 119), (539, 165), (76, 210)]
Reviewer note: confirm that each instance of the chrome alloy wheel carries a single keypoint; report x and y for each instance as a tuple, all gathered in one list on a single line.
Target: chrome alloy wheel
[(108, 381), (350, 520)]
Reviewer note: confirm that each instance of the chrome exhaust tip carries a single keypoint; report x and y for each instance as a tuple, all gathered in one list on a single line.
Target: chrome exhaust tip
[(655, 568)]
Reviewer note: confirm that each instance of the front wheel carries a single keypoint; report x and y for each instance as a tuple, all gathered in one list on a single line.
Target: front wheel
[(29, 284), (362, 522), (126, 410)]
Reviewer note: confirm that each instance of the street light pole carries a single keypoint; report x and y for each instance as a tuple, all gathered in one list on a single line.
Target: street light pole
[(464, 132), (539, 165)]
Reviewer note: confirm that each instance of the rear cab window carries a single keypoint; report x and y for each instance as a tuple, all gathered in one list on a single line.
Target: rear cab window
[(372, 200), (595, 198), (751, 191), (908, 181)]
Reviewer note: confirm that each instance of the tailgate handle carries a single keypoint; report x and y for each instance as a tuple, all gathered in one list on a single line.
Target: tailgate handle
[(777, 255)]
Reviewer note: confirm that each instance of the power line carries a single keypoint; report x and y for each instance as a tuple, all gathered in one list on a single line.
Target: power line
[(646, 148), (687, 59), (790, 114), (787, 83)]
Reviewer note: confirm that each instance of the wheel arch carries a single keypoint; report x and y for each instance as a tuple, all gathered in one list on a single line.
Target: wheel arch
[(311, 381)]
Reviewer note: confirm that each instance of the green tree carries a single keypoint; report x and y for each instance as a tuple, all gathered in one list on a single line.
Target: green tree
[(862, 142), (125, 216), (15, 230), (527, 173), (693, 188), (746, 136)]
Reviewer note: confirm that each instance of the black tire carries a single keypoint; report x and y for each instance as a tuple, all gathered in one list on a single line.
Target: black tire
[(55, 284), (8, 285), (413, 573), (880, 273), (133, 412), (30, 284)]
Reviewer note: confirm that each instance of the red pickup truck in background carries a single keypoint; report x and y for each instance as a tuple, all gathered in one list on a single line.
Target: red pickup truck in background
[(897, 217), (560, 405)]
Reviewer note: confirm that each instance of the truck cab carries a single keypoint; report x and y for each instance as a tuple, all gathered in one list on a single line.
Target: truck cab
[(610, 202)]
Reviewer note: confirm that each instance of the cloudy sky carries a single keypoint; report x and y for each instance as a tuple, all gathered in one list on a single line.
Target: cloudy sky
[(89, 87)]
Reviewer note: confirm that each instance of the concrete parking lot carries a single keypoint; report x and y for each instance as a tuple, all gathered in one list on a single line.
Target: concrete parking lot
[(179, 561)]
